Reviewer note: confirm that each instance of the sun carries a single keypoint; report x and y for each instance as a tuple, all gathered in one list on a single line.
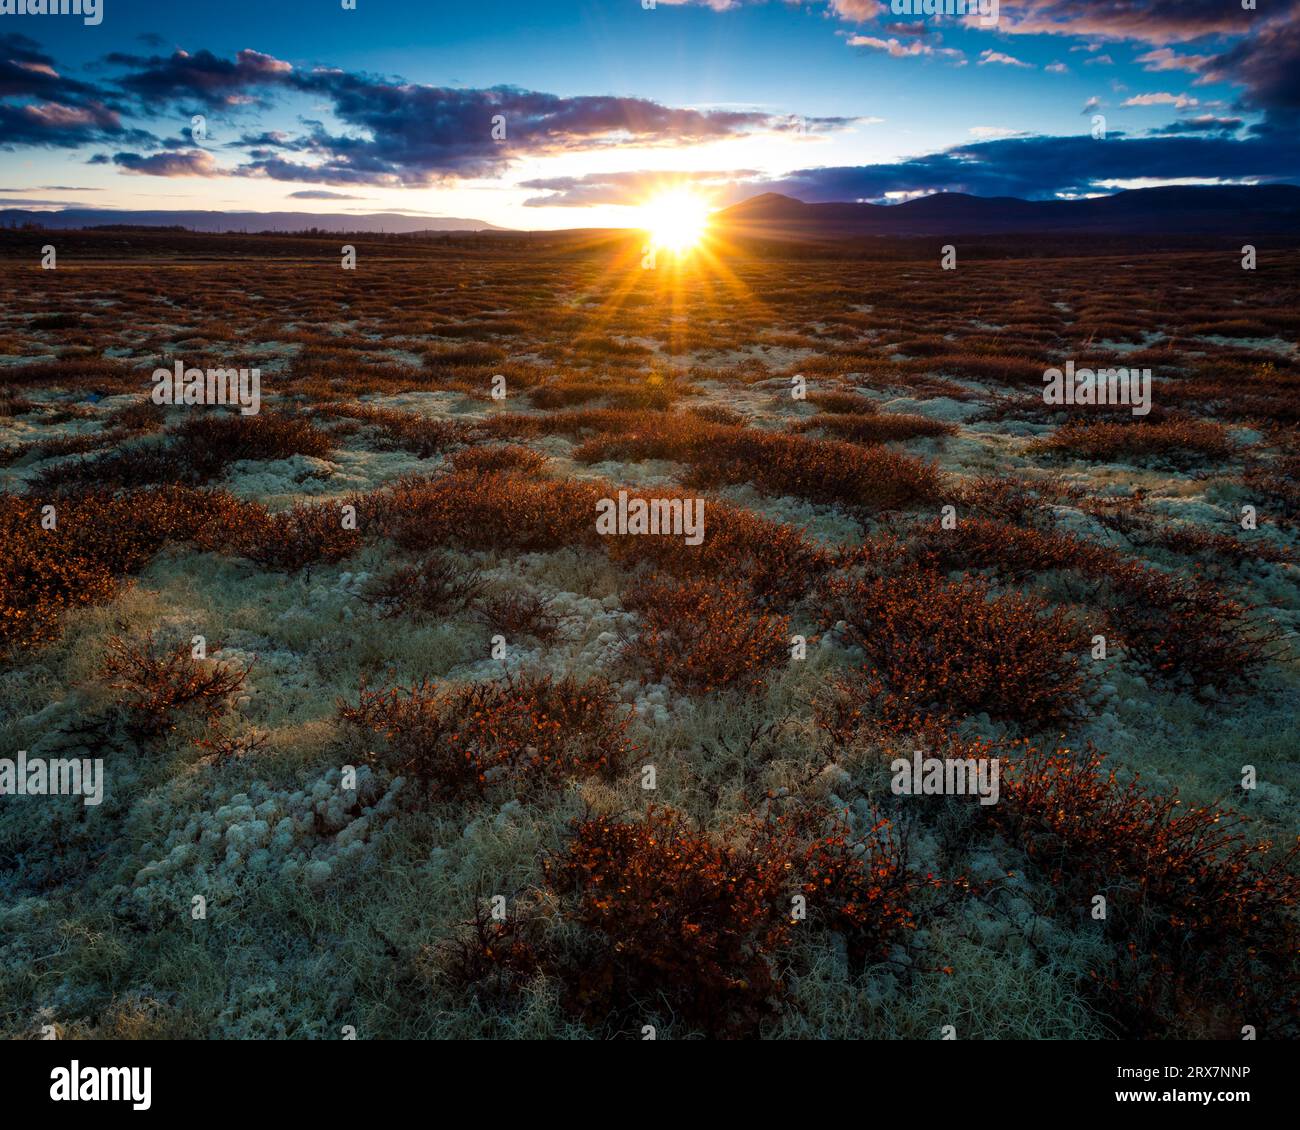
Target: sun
[(675, 220)]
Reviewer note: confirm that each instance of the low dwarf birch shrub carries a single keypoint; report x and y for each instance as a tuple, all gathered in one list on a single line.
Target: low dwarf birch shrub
[(705, 635), (160, 682), (457, 739), (672, 914), (960, 648)]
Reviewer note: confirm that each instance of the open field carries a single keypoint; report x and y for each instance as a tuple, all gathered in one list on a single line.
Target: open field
[(918, 554)]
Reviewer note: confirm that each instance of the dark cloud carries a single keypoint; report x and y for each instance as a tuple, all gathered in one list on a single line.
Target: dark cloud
[(200, 78), (1036, 168), (919, 28), (60, 125), (1150, 21), (1203, 123), (44, 108), (397, 133), (1157, 22), (415, 134), (1267, 65), (172, 163), (27, 72), (37, 202), (321, 194), (402, 133), (270, 139)]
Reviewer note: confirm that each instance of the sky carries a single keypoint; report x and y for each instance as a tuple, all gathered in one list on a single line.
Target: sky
[(566, 113)]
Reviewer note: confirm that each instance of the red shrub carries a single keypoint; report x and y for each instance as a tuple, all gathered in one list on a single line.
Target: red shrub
[(490, 511), (159, 683), (677, 916), (1199, 911), (674, 916), (705, 635), (520, 613), (210, 441), (306, 533), (956, 647), (499, 457), (408, 431), (815, 469), (435, 586), (491, 958), (1185, 630), (455, 739), (1181, 441), (876, 427), (776, 561), (98, 537)]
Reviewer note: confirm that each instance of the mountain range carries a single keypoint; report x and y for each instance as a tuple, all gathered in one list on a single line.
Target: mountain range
[(1243, 211), (244, 221), (1235, 210)]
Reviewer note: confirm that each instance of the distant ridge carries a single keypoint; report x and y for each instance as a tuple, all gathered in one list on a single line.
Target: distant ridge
[(1243, 210), (244, 221)]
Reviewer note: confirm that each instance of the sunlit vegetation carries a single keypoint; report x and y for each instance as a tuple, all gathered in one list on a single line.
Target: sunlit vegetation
[(668, 760)]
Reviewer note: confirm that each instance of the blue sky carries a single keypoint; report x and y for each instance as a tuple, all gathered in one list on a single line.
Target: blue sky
[(389, 107)]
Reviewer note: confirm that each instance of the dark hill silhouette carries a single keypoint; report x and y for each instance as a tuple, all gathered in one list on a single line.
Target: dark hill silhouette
[(65, 218), (1236, 210)]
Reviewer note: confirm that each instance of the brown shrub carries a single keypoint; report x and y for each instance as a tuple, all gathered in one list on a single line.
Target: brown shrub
[(306, 533), (1006, 369), (1279, 482), (498, 457), (699, 925), (1008, 499), (565, 394), (777, 562), (160, 683), (717, 414), (434, 587), (454, 740), (954, 647), (674, 915), (1013, 552), (705, 635), (1198, 911), (209, 442), (143, 465), (138, 418), (876, 427), (464, 356), (423, 436), (490, 511), (1185, 630), (520, 612), (816, 469), (490, 958), (1179, 441), (98, 537)]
